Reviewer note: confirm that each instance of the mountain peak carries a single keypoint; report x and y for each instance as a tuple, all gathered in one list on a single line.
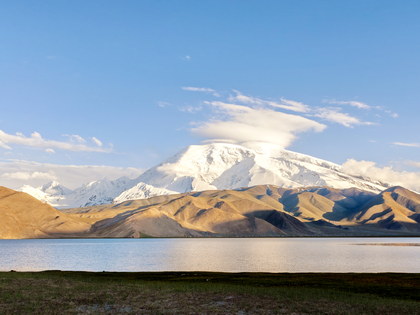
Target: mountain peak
[(54, 187), (219, 165), (50, 184), (265, 148)]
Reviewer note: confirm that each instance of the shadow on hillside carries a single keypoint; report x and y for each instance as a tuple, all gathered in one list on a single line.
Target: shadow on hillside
[(280, 220)]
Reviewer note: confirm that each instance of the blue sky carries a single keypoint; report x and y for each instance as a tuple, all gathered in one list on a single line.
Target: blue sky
[(139, 75)]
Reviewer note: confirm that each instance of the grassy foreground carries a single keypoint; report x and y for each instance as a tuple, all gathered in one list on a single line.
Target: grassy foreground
[(56, 292)]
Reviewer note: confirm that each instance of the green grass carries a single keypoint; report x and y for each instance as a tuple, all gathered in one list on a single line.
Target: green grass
[(56, 292)]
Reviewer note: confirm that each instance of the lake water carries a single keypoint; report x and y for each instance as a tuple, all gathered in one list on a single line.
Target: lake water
[(214, 254)]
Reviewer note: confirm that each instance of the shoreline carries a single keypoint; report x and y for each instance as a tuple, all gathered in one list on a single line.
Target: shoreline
[(232, 274), (217, 237)]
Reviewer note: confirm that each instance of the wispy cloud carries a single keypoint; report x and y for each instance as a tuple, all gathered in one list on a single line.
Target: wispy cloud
[(410, 180), (201, 89), (391, 113), (240, 123), (35, 140), (74, 138), (190, 109), (292, 105), (283, 103), (163, 104), (335, 115), (197, 89), (407, 144), (361, 105), (27, 176), (357, 104), (97, 142)]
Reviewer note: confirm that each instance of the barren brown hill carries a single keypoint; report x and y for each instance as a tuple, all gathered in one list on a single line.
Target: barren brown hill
[(23, 216), (395, 208), (263, 210)]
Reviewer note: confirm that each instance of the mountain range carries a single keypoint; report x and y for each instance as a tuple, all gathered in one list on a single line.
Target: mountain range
[(213, 166), (262, 210)]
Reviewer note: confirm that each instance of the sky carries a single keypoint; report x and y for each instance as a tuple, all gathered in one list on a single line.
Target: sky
[(93, 89)]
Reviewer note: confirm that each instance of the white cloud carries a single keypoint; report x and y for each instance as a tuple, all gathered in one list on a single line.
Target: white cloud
[(239, 117), (201, 89), (163, 104), (357, 104), (16, 173), (362, 105), (35, 140), (335, 115), (283, 104), (49, 150), (197, 89), (392, 114), (410, 180), (241, 98), (26, 176), (292, 105), (407, 144), (97, 141), (72, 138), (243, 124), (190, 109)]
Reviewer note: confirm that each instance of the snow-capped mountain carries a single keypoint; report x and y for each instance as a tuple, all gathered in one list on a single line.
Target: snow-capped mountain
[(211, 166), (52, 193), (94, 193), (142, 191), (230, 166), (99, 192)]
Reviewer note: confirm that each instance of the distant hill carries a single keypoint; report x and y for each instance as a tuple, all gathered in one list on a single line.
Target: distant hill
[(262, 210)]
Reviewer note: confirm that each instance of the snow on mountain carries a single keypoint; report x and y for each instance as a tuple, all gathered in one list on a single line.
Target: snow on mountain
[(99, 192), (94, 193), (211, 166), (196, 167), (52, 193), (55, 188), (142, 191), (230, 166)]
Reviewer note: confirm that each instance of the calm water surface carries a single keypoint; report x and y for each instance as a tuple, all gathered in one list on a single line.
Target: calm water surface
[(220, 254)]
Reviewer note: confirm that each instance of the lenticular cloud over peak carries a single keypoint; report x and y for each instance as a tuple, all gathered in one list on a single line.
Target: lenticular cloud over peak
[(239, 124)]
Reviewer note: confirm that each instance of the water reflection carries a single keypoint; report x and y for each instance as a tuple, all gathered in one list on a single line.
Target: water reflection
[(229, 255)]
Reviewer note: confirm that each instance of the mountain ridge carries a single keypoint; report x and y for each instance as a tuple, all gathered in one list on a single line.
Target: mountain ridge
[(257, 211), (211, 166)]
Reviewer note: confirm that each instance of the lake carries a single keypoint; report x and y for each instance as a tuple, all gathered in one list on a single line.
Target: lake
[(214, 254)]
